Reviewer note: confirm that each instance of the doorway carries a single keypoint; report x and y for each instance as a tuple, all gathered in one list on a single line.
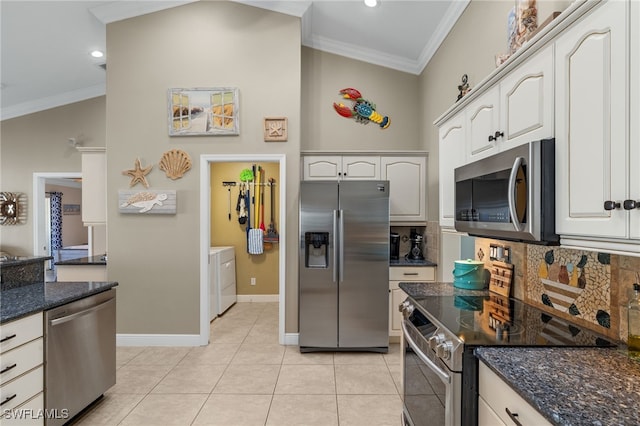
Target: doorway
[(40, 225), (206, 161)]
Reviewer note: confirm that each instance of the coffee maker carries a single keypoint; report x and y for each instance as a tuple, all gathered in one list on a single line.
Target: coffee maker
[(394, 246), (416, 246)]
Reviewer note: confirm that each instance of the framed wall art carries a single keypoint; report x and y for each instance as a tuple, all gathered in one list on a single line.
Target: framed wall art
[(70, 209), (203, 111), (275, 129)]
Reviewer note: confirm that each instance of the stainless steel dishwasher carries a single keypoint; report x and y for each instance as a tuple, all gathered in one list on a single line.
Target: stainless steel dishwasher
[(80, 354)]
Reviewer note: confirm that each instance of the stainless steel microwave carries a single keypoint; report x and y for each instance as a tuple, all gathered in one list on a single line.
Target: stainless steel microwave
[(509, 195)]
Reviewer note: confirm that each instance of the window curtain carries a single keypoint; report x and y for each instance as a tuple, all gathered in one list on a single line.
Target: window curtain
[(56, 220)]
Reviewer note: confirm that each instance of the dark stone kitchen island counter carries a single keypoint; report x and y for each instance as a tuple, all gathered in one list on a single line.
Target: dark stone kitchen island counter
[(81, 261), (571, 386), (21, 301), (20, 270)]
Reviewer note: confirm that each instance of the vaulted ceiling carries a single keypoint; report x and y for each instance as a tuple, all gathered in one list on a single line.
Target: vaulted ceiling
[(45, 45)]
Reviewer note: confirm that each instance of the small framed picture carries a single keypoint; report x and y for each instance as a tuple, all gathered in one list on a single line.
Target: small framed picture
[(71, 209), (275, 129)]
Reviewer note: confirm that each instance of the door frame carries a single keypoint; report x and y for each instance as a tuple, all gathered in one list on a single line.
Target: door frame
[(38, 196), (205, 233)]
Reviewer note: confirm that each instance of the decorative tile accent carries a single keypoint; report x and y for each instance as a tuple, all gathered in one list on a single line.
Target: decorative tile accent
[(577, 283)]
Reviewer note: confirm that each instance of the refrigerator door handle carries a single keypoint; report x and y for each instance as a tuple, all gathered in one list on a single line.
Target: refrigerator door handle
[(341, 245), (335, 248)]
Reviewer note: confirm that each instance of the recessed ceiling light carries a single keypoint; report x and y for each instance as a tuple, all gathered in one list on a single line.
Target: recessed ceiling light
[(371, 3), (97, 54)]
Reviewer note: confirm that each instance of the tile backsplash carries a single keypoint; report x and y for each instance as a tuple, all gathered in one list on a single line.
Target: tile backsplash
[(585, 287)]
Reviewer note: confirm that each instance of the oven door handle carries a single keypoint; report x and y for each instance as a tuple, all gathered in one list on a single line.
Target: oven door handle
[(511, 194), (444, 376)]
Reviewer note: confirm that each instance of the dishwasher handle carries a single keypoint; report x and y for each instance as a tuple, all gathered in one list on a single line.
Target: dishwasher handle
[(84, 312)]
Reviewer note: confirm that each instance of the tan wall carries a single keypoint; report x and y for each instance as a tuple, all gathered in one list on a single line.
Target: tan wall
[(155, 258), (73, 230), (470, 48), (393, 92), (38, 143), (225, 232)]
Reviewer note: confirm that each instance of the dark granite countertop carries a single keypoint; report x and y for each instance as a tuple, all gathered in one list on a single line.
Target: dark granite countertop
[(418, 289), (407, 262), (21, 301), (91, 260), (572, 386), (22, 260)]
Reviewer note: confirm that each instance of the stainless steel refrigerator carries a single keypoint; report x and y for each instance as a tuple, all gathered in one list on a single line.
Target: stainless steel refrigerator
[(344, 266)]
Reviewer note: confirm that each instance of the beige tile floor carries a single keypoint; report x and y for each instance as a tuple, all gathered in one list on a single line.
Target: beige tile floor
[(244, 377)]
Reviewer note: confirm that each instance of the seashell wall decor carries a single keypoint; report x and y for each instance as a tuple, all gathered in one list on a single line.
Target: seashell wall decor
[(148, 201), (175, 163)]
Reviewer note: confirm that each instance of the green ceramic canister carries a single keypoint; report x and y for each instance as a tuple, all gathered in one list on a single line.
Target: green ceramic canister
[(469, 274)]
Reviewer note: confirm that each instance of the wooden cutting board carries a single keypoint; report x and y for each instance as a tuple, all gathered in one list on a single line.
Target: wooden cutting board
[(501, 278)]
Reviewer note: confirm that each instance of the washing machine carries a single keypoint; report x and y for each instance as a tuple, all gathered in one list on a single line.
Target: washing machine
[(222, 276)]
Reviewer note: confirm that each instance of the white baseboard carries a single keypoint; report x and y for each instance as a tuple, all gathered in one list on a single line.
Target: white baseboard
[(157, 340), (291, 339), (258, 298)]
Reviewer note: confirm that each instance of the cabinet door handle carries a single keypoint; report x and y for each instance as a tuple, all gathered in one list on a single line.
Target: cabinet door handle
[(513, 416), (631, 204), (7, 399), (611, 205), (496, 135), (11, 367), (409, 273), (4, 339)]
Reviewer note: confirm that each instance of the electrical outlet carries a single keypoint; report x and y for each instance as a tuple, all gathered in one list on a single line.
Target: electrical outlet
[(253, 281)]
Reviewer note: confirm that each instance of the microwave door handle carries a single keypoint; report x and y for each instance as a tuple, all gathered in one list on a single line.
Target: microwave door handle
[(511, 194)]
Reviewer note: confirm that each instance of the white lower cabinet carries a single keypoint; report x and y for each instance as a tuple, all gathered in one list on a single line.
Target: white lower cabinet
[(498, 404), (21, 371), (398, 274)]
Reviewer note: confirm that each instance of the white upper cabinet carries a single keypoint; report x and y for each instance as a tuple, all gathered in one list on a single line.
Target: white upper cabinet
[(482, 123), (451, 155), (94, 185), (526, 101), (361, 168), (407, 178), (634, 141), (322, 167), (517, 110), (592, 167), (341, 167)]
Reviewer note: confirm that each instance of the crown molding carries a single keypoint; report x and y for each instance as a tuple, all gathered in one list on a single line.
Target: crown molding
[(293, 8), (52, 101), (359, 53), (455, 10), (119, 10)]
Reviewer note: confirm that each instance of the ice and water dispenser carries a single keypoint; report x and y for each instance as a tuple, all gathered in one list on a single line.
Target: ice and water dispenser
[(317, 249)]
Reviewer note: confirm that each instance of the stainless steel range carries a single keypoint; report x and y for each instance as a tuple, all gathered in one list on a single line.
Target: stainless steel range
[(440, 371)]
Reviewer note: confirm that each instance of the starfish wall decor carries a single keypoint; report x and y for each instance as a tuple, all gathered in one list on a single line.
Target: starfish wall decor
[(138, 174)]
